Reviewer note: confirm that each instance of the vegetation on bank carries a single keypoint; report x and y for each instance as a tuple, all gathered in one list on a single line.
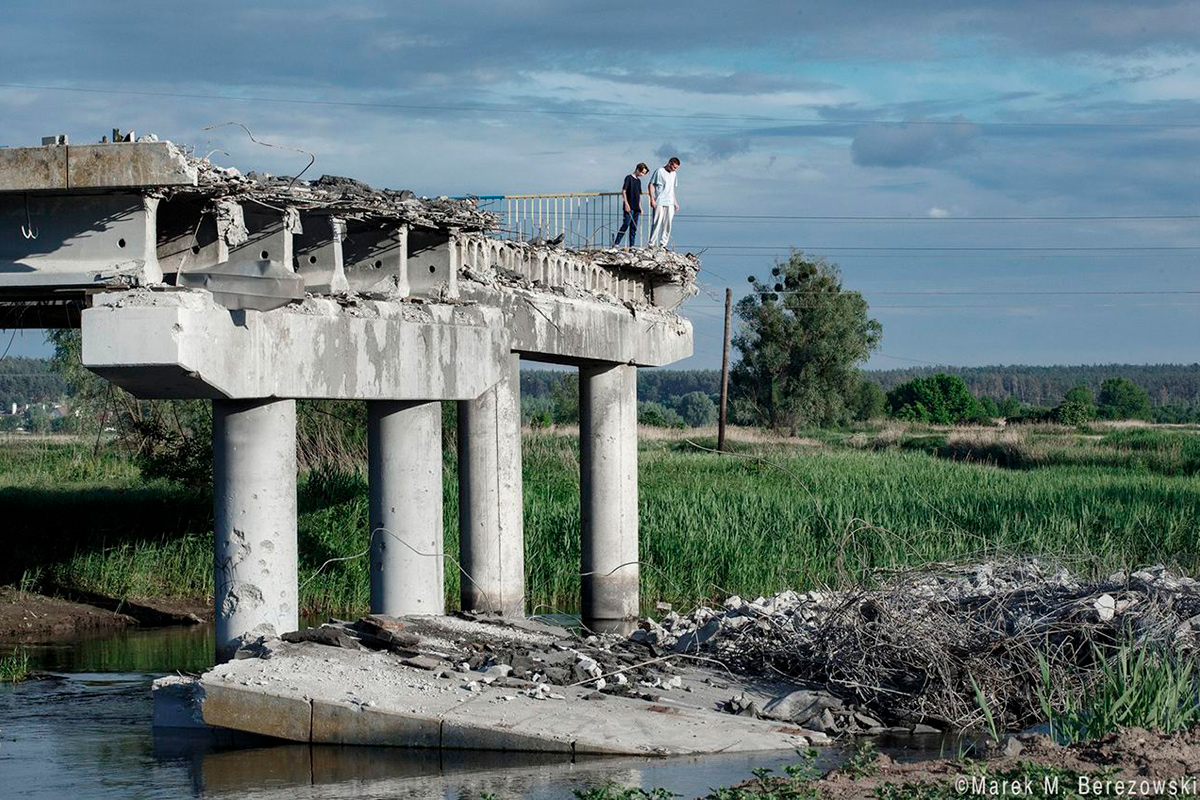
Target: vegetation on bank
[(774, 514)]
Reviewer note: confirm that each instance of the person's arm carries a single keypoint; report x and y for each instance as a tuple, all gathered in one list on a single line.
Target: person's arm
[(653, 197), (625, 194)]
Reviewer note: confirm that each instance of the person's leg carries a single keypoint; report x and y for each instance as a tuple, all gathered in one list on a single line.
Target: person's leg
[(633, 226), (657, 229), (668, 218), (621, 232)]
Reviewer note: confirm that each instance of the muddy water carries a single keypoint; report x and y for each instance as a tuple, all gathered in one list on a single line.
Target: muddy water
[(85, 732)]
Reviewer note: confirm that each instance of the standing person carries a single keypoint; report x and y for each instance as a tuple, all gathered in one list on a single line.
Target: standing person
[(631, 202), (663, 202)]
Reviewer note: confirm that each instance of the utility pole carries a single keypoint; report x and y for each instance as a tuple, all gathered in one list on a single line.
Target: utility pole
[(725, 372)]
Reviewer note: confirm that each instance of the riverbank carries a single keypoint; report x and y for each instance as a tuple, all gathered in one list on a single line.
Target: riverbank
[(831, 509)]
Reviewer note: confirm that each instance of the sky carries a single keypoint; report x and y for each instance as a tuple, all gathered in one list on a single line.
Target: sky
[(928, 113)]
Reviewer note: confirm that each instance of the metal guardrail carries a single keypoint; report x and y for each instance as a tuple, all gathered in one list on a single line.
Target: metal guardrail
[(584, 220)]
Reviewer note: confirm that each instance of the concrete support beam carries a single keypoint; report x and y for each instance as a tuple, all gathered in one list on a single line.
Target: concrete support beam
[(268, 235), (545, 326), (182, 344), (376, 257), (254, 519), (609, 496), (404, 461), (318, 251), (490, 508), (101, 166), (433, 263), (77, 241)]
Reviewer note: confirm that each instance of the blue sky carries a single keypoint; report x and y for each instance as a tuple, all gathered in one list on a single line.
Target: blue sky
[(930, 111)]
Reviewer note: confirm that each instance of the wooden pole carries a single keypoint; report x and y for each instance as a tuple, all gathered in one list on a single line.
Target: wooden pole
[(725, 372)]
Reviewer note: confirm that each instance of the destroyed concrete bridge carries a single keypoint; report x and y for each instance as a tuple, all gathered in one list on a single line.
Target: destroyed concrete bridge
[(193, 281)]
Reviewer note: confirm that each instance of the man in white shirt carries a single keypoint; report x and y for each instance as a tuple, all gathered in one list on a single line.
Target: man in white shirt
[(663, 202)]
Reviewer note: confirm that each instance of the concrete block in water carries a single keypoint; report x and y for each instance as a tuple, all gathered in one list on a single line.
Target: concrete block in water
[(256, 711), (353, 723)]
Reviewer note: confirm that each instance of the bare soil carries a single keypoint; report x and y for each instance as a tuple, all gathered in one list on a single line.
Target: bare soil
[(28, 617), (150, 612), (1131, 754)]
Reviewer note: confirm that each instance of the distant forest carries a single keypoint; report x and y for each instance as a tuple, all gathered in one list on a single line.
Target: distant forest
[(1167, 384), (30, 380)]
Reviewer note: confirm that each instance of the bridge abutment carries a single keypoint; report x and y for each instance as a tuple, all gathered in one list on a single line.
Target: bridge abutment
[(609, 496), (254, 519), (404, 465), (490, 501)]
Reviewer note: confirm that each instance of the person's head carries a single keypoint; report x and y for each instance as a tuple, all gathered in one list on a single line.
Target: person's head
[(673, 164), (640, 170)]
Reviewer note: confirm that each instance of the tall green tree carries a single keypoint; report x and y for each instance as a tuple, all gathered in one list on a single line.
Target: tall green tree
[(1121, 398), (940, 399), (801, 337)]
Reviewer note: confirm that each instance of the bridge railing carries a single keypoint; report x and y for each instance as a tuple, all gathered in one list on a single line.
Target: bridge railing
[(584, 220)]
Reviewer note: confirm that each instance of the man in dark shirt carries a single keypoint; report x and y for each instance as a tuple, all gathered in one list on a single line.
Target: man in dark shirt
[(631, 204)]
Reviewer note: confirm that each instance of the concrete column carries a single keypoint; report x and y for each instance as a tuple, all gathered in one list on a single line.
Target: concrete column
[(609, 495), (490, 509), (404, 462), (254, 519)]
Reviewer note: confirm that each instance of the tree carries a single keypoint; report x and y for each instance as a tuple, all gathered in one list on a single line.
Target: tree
[(940, 399), (868, 401), (1009, 407), (1077, 407), (1121, 398), (697, 409), (658, 416), (990, 409), (800, 337)]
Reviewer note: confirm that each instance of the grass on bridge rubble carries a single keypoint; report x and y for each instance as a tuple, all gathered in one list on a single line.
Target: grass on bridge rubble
[(777, 514)]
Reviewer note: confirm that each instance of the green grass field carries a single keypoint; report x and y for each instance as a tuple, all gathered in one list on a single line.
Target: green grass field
[(826, 510)]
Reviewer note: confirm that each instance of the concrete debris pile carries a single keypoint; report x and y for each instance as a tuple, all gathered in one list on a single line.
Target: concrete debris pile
[(343, 197), (906, 652), (527, 656), (657, 261)]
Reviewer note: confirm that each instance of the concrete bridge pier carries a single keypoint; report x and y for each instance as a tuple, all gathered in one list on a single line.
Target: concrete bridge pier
[(609, 496), (404, 464), (490, 508), (254, 519)]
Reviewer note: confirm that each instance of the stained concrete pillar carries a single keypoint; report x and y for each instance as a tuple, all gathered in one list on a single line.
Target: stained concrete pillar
[(609, 495), (404, 462), (490, 508), (254, 519)]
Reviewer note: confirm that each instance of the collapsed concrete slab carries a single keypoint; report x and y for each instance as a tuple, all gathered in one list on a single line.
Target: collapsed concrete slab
[(307, 692)]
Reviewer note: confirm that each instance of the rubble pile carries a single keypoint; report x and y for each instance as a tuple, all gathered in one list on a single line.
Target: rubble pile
[(912, 650), (344, 197), (531, 658), (677, 267)]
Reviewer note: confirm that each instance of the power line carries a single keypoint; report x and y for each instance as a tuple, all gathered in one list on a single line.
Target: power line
[(513, 109)]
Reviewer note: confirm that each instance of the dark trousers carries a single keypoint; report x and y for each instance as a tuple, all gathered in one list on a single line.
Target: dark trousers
[(630, 222)]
